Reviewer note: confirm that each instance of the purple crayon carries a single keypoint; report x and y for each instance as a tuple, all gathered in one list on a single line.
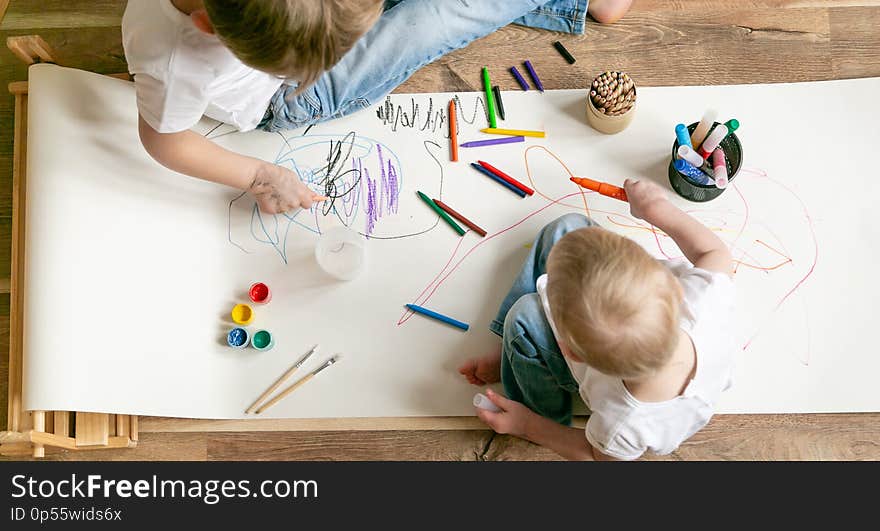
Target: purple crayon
[(493, 142), (521, 80), (534, 75)]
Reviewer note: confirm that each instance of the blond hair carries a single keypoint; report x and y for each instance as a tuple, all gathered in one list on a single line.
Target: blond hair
[(294, 39), (614, 306)]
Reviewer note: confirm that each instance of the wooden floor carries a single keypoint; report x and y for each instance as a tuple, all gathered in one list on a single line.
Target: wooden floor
[(660, 42)]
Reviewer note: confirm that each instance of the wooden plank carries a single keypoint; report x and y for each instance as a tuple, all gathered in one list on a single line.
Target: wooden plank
[(26, 15), (92, 429), (165, 424), (122, 425), (62, 423), (855, 49), (134, 434), (39, 426), (3, 5), (19, 189), (368, 445), (678, 6)]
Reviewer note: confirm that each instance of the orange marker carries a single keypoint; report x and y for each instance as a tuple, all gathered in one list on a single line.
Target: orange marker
[(603, 188), (453, 131)]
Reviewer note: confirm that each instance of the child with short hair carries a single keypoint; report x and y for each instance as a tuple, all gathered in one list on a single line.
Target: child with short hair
[(646, 343), (270, 64)]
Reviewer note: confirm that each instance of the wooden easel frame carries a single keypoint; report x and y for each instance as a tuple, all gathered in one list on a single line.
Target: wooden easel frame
[(30, 432)]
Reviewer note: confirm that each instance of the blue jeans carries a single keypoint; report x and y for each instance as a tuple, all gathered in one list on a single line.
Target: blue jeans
[(409, 35), (533, 369)]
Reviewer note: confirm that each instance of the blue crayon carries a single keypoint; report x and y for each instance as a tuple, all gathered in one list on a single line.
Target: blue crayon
[(498, 180), (692, 173), (439, 317), (684, 137)]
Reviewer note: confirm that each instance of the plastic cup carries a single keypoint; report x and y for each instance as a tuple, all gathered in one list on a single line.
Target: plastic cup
[(701, 193), (341, 252)]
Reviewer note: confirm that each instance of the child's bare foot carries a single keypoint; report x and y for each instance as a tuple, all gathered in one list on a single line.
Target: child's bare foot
[(608, 11), (485, 370)]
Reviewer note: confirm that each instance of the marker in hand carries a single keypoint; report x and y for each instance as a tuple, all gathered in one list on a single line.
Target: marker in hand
[(603, 188), (482, 401)]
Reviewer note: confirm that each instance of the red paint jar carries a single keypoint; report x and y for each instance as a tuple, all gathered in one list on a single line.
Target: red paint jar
[(259, 293)]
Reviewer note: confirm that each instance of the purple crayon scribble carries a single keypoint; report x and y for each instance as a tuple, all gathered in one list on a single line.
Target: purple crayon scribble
[(382, 197)]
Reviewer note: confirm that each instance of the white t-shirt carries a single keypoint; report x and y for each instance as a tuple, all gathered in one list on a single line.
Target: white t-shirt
[(621, 426), (181, 73)]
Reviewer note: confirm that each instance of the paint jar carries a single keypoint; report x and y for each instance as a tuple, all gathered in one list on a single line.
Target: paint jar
[(259, 293), (700, 193), (242, 314), (341, 252), (263, 340), (238, 338)]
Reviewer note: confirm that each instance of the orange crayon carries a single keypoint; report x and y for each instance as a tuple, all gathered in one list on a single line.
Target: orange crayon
[(453, 132), (603, 188)]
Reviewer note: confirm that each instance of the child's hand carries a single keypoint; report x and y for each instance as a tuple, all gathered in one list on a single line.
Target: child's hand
[(278, 190), (511, 420), (642, 196)]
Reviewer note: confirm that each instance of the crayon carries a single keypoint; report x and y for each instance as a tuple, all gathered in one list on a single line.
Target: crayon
[(438, 316), (490, 101), (513, 132), (493, 142), (534, 75), (496, 91), (564, 53), (442, 214), (465, 221), (497, 179), (506, 177), (519, 79), (453, 131), (605, 189)]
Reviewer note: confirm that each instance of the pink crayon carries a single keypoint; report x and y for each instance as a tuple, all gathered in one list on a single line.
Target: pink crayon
[(720, 168)]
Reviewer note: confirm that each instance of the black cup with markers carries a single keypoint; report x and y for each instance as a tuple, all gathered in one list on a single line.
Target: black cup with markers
[(700, 193)]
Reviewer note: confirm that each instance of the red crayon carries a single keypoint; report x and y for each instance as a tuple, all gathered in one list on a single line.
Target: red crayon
[(464, 221), (506, 177), (603, 188)]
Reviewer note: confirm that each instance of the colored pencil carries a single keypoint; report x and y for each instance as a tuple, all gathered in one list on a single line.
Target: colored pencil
[(496, 91), (494, 142), (281, 380), (564, 53), (490, 103), (535, 78), (442, 214), (513, 132), (519, 78), (296, 385), (465, 221), (506, 177), (453, 131), (498, 179), (438, 316)]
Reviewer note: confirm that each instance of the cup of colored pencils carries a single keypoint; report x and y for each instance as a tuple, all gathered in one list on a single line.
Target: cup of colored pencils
[(611, 104)]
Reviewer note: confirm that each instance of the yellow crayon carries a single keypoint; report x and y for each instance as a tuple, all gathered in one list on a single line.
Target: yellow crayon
[(513, 132)]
